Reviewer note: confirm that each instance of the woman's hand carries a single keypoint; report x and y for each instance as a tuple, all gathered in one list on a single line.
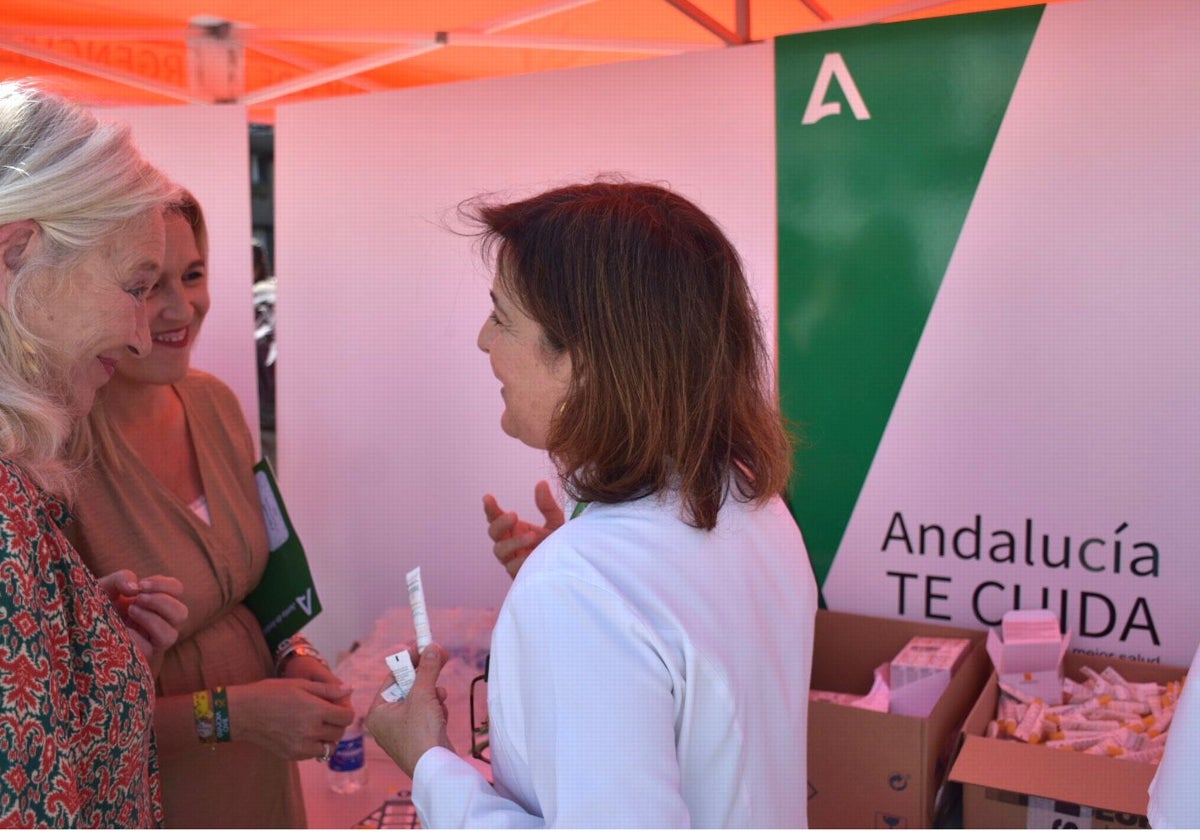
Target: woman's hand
[(311, 668), (293, 718), (308, 668), (513, 539), (409, 728), (150, 608)]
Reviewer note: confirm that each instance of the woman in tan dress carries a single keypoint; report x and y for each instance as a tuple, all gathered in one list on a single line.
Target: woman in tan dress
[(173, 492)]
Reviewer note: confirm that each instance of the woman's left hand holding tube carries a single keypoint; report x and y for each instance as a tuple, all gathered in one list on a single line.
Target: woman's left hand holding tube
[(408, 728), (150, 608)]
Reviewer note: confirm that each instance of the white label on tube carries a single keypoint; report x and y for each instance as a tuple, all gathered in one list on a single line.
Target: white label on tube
[(400, 664), (393, 693), (416, 600)]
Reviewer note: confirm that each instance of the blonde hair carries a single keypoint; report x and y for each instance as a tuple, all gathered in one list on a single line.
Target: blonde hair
[(100, 430), (80, 180)]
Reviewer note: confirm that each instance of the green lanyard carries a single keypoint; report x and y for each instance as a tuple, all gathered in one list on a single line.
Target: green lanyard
[(580, 507)]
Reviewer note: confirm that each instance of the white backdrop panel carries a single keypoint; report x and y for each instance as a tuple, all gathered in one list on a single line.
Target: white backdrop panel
[(388, 414), (207, 150), (1055, 383)]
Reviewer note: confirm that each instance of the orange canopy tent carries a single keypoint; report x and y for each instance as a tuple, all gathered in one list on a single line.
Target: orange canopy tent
[(263, 52)]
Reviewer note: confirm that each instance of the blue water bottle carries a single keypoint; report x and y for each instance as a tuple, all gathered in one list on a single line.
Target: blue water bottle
[(347, 765)]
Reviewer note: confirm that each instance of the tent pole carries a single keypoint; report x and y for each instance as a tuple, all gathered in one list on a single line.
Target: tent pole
[(699, 16), (743, 20), (308, 65), (816, 8), (337, 73), (883, 13), (100, 71)]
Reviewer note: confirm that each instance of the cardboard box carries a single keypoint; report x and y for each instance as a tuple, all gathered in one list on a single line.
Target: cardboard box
[(869, 769), (1009, 784), (1028, 653)]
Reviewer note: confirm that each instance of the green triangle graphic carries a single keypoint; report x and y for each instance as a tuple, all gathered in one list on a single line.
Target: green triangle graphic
[(871, 203)]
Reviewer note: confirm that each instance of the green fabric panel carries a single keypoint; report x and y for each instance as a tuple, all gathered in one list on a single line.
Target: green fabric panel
[(869, 213)]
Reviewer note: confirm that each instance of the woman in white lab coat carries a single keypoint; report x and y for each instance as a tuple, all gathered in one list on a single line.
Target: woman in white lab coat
[(650, 664)]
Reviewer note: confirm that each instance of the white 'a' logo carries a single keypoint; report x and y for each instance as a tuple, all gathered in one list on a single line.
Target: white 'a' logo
[(305, 601), (834, 66)]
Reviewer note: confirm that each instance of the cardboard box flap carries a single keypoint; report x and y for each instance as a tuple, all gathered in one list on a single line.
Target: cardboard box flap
[(1005, 765), (1009, 658)]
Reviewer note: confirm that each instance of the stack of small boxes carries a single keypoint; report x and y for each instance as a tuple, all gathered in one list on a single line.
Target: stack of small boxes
[(921, 672)]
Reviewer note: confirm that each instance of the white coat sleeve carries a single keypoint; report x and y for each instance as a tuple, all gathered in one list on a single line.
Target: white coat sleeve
[(450, 793), (581, 706), (594, 720)]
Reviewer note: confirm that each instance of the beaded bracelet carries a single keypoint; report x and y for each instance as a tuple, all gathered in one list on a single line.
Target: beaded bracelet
[(202, 707), (221, 714)]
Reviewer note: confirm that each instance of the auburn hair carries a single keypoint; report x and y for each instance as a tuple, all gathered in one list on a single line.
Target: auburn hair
[(670, 372)]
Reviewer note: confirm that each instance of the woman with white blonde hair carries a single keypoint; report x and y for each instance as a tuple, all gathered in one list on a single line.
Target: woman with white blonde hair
[(81, 243)]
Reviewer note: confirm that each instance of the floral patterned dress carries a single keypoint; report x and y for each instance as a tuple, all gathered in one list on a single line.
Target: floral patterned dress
[(76, 697), (126, 518)]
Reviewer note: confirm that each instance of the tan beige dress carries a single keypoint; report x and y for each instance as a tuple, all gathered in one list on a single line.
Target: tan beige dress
[(125, 518)]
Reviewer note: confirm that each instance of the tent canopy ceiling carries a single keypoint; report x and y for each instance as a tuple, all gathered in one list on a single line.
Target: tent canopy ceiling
[(261, 53)]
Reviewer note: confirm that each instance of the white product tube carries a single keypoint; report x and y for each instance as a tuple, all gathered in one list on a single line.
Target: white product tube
[(1029, 728), (400, 664), (1079, 742), (393, 693), (1150, 755), (416, 600)]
